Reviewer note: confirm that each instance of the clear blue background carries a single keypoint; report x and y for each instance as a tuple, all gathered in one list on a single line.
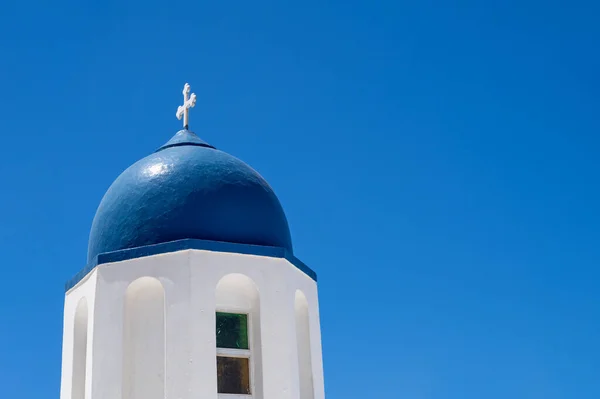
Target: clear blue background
[(438, 163)]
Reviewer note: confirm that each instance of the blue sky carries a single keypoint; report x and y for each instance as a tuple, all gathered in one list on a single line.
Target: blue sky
[(437, 161)]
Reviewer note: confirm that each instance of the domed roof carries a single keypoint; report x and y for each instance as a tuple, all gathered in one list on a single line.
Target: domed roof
[(188, 189)]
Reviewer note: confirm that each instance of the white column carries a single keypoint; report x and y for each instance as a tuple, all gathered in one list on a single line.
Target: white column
[(203, 360), (279, 349), (107, 349), (91, 303), (315, 343), (85, 289), (67, 347), (179, 317)]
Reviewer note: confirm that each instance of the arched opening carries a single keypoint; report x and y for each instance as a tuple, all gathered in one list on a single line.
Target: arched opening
[(80, 330), (304, 349), (144, 340), (239, 359)]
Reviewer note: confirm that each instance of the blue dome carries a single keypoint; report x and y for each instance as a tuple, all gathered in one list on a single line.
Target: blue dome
[(188, 189)]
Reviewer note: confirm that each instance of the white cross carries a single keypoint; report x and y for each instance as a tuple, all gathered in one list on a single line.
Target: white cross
[(184, 110)]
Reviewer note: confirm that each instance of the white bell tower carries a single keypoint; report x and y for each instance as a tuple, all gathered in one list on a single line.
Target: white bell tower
[(191, 289)]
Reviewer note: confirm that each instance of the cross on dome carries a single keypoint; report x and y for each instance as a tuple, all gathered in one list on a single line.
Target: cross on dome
[(189, 101)]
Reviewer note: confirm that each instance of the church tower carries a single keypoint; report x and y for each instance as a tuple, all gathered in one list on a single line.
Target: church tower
[(191, 290)]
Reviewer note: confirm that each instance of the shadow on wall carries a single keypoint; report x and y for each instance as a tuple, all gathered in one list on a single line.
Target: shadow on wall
[(304, 349), (80, 333)]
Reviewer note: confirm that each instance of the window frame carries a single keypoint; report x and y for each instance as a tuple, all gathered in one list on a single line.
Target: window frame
[(238, 353)]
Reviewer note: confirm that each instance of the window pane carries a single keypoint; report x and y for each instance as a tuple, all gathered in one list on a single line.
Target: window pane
[(233, 375), (232, 330)]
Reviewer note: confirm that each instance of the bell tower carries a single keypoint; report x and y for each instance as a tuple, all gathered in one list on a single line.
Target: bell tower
[(191, 289)]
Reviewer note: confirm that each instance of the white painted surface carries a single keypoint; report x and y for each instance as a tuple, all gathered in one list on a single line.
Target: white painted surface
[(190, 279), (144, 340), (303, 341), (188, 102), (80, 331), (71, 366)]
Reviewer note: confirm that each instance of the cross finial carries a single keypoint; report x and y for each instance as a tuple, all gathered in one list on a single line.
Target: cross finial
[(188, 102)]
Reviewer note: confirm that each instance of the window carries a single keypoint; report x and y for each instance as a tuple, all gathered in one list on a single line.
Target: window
[(233, 354)]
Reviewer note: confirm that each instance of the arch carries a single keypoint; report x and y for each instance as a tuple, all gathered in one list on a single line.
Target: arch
[(80, 333), (304, 347), (144, 340), (238, 293)]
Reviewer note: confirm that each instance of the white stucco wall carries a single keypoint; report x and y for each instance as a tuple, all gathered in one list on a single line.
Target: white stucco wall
[(144, 340), (303, 342), (80, 331), (83, 292), (189, 279)]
